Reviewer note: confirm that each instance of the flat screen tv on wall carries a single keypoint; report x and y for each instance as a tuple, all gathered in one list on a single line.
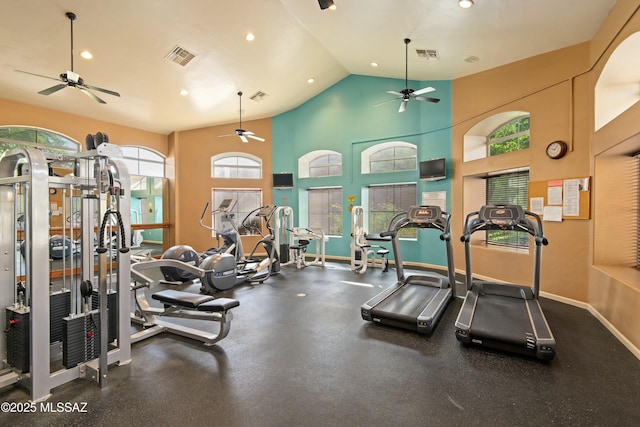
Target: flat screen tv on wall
[(433, 170), (282, 180)]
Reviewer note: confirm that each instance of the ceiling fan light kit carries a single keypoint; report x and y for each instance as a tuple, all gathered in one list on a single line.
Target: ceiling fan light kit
[(71, 78)]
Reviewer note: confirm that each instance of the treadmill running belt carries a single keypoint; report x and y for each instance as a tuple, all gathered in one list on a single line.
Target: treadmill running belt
[(406, 304), (501, 318)]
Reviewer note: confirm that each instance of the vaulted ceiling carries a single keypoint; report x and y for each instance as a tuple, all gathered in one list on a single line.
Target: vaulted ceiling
[(294, 41)]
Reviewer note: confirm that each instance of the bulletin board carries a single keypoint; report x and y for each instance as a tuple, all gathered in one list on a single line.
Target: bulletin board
[(561, 199)]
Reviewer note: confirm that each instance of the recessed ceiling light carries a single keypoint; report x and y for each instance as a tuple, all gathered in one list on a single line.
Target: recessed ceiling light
[(465, 4), (184, 92), (333, 7), (250, 37), (373, 64), (311, 80), (86, 54)]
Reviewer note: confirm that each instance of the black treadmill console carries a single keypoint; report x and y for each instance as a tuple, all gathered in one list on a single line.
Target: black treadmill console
[(424, 214), (506, 216)]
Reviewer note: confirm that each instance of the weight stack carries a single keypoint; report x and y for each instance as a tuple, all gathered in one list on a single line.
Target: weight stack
[(17, 334), (81, 339), (112, 311), (59, 308)]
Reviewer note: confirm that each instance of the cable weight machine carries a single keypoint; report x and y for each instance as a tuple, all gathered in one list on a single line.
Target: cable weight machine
[(52, 336)]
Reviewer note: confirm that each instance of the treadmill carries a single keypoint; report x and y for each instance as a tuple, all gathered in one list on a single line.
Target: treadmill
[(505, 316), (415, 302)]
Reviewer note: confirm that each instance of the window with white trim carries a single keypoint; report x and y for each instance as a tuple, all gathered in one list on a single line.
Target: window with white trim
[(236, 165), (508, 189), (26, 136), (320, 163), (143, 162), (385, 201), (510, 136), (247, 200), (325, 210), (389, 157)]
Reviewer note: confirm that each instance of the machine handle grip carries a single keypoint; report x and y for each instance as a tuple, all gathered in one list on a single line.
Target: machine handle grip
[(388, 233), (204, 211), (542, 240)]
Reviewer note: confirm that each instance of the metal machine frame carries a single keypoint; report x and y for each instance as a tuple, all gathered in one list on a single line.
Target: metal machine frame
[(104, 185), (415, 302), (182, 305), (505, 316)]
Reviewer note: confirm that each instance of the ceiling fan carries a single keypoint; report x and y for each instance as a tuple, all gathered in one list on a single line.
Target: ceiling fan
[(243, 134), (70, 78), (406, 94)]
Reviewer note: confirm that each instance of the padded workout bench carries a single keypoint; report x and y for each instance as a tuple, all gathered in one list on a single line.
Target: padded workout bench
[(179, 304)]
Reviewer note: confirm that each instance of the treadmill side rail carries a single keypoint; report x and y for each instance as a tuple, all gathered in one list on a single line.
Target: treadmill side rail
[(545, 342), (465, 316), (365, 309)]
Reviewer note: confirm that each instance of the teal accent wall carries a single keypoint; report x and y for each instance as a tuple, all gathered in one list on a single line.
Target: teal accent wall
[(344, 118)]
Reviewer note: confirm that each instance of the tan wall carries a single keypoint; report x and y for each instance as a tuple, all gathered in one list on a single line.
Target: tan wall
[(586, 260), (193, 150), (77, 127), (542, 86), (614, 284)]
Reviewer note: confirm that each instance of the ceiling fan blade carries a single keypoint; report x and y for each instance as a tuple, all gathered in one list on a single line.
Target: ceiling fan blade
[(393, 92), (90, 95), (252, 136), (224, 136), (426, 98), (52, 89), (403, 106), (110, 92), (38, 75), (385, 102), (423, 91), (243, 138)]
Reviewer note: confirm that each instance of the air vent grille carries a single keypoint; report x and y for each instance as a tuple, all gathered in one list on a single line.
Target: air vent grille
[(258, 96), (431, 54), (180, 56)]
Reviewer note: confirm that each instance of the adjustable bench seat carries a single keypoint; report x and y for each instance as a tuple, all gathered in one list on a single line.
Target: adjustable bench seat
[(183, 299), (200, 302), (218, 305)]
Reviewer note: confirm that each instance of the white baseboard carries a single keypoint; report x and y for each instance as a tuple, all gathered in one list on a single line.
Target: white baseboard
[(614, 331)]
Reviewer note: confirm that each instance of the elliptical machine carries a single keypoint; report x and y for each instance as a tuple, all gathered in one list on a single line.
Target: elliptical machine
[(253, 269), (219, 263), (231, 242)]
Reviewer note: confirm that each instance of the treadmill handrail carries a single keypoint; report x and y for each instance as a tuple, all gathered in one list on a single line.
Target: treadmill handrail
[(443, 224), (474, 223)]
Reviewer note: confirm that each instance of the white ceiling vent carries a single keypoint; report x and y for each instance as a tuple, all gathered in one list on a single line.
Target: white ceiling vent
[(258, 96), (431, 54), (180, 56)]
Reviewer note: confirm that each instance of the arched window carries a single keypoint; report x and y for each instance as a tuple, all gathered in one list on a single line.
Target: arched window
[(617, 86), (143, 162), (501, 133), (236, 165), (26, 136), (320, 163), (389, 157), (510, 136)]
